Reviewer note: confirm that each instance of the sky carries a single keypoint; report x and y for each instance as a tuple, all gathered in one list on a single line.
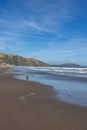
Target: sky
[(54, 31)]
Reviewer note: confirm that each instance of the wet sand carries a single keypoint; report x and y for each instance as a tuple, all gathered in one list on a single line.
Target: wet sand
[(33, 106)]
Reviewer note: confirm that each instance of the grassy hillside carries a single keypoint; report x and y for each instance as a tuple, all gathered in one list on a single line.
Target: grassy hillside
[(20, 61)]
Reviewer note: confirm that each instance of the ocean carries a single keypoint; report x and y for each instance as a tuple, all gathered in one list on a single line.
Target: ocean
[(69, 83)]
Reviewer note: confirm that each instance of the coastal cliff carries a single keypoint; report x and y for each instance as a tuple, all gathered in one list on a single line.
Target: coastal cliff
[(10, 59)]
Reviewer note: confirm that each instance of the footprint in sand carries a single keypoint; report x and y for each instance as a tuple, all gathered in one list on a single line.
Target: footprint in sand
[(24, 98)]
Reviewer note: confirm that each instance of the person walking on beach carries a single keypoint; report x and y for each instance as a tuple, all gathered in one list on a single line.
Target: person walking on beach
[(27, 77)]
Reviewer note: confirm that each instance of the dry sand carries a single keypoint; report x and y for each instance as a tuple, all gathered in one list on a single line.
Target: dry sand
[(33, 106)]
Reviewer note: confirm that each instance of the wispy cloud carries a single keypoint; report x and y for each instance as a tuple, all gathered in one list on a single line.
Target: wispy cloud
[(50, 13), (68, 51), (34, 25), (12, 47), (43, 22), (40, 16)]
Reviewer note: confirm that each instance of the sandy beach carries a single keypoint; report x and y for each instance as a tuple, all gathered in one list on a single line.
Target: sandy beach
[(26, 105)]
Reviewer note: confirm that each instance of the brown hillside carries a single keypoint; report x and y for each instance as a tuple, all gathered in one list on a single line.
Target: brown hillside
[(9, 59)]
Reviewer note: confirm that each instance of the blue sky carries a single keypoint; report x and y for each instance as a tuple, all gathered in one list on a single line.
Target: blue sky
[(54, 31)]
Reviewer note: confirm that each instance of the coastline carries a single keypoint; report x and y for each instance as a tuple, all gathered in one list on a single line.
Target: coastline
[(31, 105)]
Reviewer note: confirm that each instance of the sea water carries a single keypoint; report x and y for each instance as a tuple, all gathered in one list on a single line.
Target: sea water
[(70, 83)]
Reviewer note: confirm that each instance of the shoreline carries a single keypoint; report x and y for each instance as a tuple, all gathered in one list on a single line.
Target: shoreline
[(32, 105), (66, 90)]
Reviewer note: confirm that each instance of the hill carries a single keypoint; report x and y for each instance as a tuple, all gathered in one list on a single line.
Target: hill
[(10, 59), (69, 65)]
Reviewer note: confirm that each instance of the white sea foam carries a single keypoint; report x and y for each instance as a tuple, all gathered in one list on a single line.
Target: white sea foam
[(80, 72), (64, 86)]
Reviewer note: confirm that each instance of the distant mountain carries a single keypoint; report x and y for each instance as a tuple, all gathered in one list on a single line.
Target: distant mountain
[(10, 59), (68, 65)]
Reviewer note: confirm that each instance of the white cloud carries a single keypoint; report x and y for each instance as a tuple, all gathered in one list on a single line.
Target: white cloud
[(41, 16), (72, 48), (34, 25), (50, 13)]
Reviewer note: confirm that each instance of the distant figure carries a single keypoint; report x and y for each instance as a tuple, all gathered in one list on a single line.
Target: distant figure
[(69, 95), (27, 77)]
